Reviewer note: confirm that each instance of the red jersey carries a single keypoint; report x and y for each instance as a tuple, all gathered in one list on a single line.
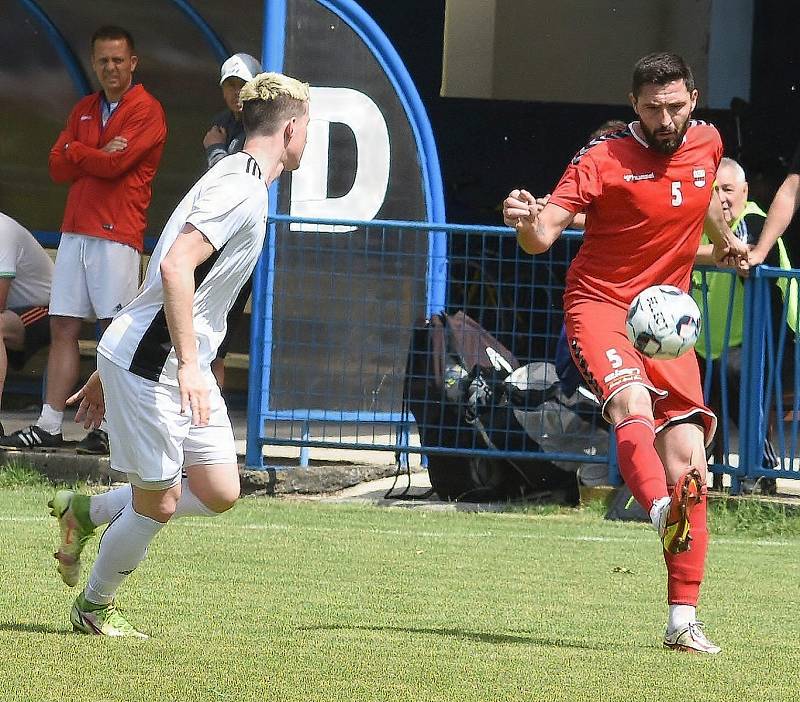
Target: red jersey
[(644, 212), (109, 193)]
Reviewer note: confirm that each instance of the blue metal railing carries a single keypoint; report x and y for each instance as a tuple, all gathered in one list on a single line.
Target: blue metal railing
[(772, 378), (342, 310), (344, 305)]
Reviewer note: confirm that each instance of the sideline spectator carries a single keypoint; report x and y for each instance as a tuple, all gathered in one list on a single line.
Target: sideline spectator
[(746, 220), (25, 274), (154, 362), (226, 136), (643, 230), (108, 153)]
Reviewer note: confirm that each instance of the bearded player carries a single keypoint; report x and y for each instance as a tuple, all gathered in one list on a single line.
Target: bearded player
[(646, 191)]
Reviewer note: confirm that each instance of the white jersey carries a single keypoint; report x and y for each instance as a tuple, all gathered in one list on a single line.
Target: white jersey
[(229, 206), (24, 261)]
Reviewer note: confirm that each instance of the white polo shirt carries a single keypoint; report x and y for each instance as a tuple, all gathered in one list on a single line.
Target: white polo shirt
[(24, 261)]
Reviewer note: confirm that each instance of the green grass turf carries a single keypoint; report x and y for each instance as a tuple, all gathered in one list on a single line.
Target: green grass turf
[(282, 600)]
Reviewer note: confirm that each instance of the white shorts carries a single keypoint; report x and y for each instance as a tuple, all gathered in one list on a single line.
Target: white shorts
[(93, 278), (150, 439)]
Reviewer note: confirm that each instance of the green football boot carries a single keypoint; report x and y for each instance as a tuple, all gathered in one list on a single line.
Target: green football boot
[(72, 512), (101, 620)]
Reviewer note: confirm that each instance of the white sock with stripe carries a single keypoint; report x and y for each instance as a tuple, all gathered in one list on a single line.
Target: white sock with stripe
[(122, 548)]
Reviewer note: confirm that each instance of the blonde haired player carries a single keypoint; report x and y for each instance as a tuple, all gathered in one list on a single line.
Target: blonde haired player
[(154, 382)]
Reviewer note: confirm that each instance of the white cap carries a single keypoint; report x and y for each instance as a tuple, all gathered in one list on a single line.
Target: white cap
[(242, 66)]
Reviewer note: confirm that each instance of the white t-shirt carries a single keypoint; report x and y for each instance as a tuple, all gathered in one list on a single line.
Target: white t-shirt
[(229, 206), (27, 263)]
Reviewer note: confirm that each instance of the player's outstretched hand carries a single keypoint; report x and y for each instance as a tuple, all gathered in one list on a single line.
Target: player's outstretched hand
[(756, 257), (92, 406), (520, 209), (194, 395), (734, 254)]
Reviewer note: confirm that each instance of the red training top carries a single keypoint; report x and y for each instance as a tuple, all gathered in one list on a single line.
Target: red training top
[(644, 212), (110, 192)]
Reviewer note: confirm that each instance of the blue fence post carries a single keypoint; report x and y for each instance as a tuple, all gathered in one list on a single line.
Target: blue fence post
[(750, 401)]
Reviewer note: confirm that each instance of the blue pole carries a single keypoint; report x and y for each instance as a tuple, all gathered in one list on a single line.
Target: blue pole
[(61, 46), (221, 52), (260, 368), (752, 379)]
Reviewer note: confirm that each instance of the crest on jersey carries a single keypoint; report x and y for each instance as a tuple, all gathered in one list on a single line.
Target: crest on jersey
[(699, 175)]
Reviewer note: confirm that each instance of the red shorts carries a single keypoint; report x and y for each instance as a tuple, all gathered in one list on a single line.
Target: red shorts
[(608, 363)]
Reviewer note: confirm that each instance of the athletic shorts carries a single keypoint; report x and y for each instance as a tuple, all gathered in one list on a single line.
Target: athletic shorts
[(608, 363), (93, 278), (37, 334), (150, 439)]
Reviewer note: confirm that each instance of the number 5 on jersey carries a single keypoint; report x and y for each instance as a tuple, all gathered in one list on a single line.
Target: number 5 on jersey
[(614, 358), (677, 195)]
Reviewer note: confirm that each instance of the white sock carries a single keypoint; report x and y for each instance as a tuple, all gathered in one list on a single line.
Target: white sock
[(122, 548), (659, 506), (50, 420), (105, 506), (190, 505), (680, 616)]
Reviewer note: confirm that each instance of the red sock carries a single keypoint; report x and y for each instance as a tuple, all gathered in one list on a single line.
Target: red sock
[(639, 464), (685, 570)]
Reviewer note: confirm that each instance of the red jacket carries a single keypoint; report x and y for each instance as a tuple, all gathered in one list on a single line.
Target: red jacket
[(109, 192)]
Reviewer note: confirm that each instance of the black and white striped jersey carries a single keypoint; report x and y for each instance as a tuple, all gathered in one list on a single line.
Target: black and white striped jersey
[(229, 206)]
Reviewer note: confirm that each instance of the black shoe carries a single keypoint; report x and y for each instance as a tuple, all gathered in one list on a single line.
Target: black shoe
[(31, 437), (94, 443), (769, 486)]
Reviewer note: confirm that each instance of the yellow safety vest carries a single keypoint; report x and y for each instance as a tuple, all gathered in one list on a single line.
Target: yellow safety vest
[(719, 297)]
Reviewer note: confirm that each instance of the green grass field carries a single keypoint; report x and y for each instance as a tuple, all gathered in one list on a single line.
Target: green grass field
[(282, 600)]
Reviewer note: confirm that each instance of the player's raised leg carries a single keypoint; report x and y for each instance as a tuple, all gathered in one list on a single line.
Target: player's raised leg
[(682, 448), (75, 529), (79, 515)]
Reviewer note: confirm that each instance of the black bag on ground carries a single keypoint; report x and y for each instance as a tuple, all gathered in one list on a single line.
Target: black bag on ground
[(454, 388)]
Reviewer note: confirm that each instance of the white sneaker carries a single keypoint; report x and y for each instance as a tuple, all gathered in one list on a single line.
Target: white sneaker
[(690, 639)]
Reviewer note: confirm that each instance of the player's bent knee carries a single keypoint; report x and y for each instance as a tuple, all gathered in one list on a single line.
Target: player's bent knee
[(632, 400), (158, 505), (222, 499), (217, 487)]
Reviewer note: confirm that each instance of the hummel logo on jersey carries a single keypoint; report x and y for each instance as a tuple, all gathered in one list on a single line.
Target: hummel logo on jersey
[(699, 175), (85, 117), (633, 177)]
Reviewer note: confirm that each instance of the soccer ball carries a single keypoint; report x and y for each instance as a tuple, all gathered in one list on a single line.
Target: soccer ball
[(663, 322)]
